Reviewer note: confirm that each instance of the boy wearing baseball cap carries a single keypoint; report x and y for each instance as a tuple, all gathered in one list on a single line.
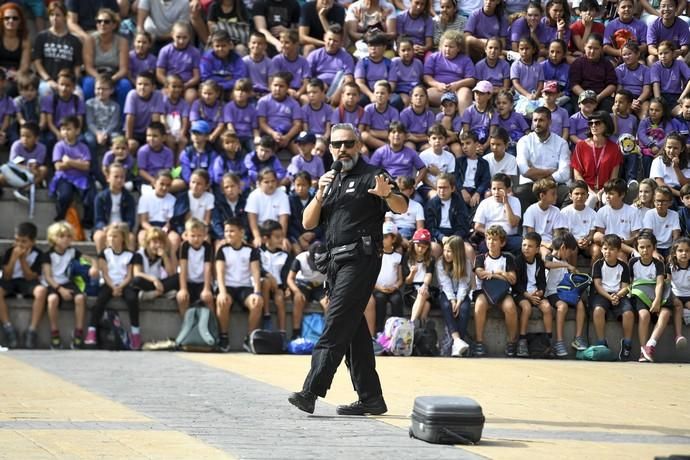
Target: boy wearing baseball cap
[(578, 122)]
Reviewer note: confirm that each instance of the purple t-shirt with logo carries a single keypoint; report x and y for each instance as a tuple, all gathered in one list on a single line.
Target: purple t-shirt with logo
[(405, 76), (279, 114), (299, 68), (371, 71), (482, 26), (143, 109), (152, 161), (448, 70), (495, 75), (625, 125), (258, 73), (578, 125), (417, 29), (180, 107), (38, 154), (342, 115), (515, 124), (379, 120), (519, 29), (179, 62), (560, 120), (417, 123), (529, 75), (109, 158), (138, 65), (401, 163), (678, 33), (213, 115), (479, 122), (60, 108), (243, 119), (672, 79), (324, 66), (76, 177), (633, 80), (559, 73), (637, 28), (316, 119)]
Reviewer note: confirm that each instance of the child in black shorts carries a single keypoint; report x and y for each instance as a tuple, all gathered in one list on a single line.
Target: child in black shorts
[(196, 271)]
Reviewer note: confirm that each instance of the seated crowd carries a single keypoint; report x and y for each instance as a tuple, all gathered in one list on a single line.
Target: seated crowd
[(523, 135)]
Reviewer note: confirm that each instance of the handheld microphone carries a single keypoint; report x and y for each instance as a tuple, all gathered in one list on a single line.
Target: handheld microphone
[(337, 166)]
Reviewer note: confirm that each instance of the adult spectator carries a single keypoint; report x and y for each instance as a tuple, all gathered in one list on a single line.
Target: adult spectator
[(81, 14), (15, 49), (370, 15), (352, 218), (271, 17), (542, 154), (233, 18), (315, 19), (106, 52), (55, 49), (594, 72), (157, 17), (596, 159), (448, 19)]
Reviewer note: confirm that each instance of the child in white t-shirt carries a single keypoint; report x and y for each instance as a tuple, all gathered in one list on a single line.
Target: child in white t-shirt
[(411, 220), (579, 220), (617, 218), (498, 161), (156, 210), (266, 202), (543, 217), (663, 222), (501, 208), (437, 160)]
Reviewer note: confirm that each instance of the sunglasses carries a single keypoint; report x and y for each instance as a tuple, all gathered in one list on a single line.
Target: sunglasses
[(348, 144), (11, 18), (594, 122), (103, 21)]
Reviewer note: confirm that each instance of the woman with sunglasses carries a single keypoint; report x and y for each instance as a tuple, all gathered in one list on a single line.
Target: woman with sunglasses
[(15, 47), (106, 52), (596, 159)]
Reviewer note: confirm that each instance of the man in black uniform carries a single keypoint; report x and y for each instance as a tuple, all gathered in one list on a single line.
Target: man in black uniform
[(351, 205)]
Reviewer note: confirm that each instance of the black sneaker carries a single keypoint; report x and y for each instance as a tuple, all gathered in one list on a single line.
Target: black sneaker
[(224, 345), (303, 400), (479, 350), (56, 343), (11, 336), (30, 338), (373, 406), (624, 354), (77, 342), (511, 349)]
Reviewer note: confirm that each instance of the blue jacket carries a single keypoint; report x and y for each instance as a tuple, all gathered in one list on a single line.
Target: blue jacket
[(103, 204), (225, 72), (222, 212), (458, 216), (482, 179)]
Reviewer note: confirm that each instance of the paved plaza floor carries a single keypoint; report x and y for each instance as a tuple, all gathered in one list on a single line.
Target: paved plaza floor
[(162, 405)]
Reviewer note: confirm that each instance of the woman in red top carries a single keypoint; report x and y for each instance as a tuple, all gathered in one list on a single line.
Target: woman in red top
[(596, 159)]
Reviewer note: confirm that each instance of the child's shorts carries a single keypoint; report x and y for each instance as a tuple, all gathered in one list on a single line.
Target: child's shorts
[(554, 299), (640, 305), (614, 311), (683, 300), (69, 285), (17, 286), (312, 293), (195, 290), (239, 294)]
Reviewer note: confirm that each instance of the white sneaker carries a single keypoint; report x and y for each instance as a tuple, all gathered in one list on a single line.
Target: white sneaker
[(459, 347)]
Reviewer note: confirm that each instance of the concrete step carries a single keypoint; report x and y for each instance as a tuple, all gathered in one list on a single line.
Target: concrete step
[(15, 212)]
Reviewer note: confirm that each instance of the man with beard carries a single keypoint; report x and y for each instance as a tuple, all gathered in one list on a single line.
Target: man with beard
[(542, 154), (351, 206)]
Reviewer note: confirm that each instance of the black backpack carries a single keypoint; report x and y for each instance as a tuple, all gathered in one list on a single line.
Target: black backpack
[(111, 335), (539, 345), (265, 342), (426, 340)]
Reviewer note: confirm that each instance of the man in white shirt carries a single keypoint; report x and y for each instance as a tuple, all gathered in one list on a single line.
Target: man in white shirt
[(542, 154)]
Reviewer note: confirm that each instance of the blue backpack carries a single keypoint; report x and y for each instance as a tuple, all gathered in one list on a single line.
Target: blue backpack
[(572, 287)]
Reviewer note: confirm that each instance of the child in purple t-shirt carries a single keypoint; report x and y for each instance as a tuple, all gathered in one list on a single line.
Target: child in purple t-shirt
[(154, 155), (140, 58), (417, 119), (317, 114), (508, 119), (143, 106), (240, 115), (451, 120), (377, 117), (229, 160), (373, 68), (209, 108), (72, 161), (289, 60), (181, 58), (176, 111), (307, 160), (28, 153), (635, 77), (349, 110), (258, 64), (526, 73), (492, 68), (59, 105), (406, 71), (450, 70), (579, 128), (477, 117), (119, 154), (398, 159), (417, 24), (280, 116), (560, 121)]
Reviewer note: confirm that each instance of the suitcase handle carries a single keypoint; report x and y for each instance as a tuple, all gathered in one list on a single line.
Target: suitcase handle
[(458, 437)]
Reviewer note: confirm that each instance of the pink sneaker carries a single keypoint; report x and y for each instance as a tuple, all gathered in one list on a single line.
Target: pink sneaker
[(90, 340), (681, 342), (648, 353), (136, 341)]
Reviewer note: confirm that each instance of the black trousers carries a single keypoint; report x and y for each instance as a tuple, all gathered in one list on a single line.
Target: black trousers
[(397, 303), (170, 283), (104, 296), (346, 333)]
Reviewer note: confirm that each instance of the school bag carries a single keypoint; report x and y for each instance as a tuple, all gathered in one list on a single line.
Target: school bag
[(265, 342), (426, 340), (199, 331), (645, 291), (111, 334), (79, 275), (313, 325), (397, 338), (20, 178), (495, 290), (596, 353), (572, 287), (539, 346)]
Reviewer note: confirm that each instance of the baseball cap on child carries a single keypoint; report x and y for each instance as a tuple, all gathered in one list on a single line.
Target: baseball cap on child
[(389, 227), (587, 95), (449, 97), (201, 127), (421, 236), (306, 137), (551, 86), (483, 87)]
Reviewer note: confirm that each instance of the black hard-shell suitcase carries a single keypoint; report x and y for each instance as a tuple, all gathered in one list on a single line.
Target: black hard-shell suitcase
[(447, 420)]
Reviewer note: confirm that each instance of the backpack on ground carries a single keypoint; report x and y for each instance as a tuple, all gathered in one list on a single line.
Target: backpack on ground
[(265, 342), (597, 353), (572, 287), (397, 338), (426, 340), (539, 345), (199, 331), (111, 335), (313, 325)]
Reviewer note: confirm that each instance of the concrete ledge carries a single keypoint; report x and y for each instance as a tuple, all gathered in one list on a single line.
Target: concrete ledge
[(159, 320)]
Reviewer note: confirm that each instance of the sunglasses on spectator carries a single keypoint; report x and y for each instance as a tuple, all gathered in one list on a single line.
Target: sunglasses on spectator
[(11, 18), (348, 144), (103, 21), (594, 122)]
